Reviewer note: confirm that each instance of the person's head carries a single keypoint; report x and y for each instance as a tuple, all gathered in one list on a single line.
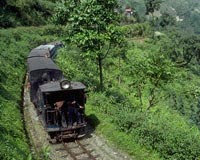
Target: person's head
[(45, 77)]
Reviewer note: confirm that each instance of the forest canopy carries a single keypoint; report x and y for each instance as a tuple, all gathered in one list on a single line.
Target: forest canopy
[(25, 12)]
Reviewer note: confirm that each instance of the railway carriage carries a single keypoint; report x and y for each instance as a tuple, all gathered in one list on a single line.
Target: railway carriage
[(48, 50), (41, 70)]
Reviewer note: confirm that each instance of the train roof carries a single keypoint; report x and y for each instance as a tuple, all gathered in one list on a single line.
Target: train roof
[(45, 50), (45, 47), (41, 63), (38, 53), (55, 86)]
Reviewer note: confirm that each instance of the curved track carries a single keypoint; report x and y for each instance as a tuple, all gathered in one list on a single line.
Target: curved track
[(77, 150)]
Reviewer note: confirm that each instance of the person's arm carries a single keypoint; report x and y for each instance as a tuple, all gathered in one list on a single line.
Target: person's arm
[(77, 105), (58, 105)]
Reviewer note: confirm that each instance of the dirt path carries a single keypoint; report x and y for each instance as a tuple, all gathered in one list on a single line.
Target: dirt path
[(39, 139)]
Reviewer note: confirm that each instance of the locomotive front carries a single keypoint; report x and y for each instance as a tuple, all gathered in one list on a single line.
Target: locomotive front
[(62, 109)]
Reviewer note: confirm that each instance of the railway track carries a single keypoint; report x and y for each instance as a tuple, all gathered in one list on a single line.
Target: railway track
[(79, 151), (75, 150)]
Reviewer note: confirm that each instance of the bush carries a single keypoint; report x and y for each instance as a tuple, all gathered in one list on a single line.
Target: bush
[(136, 30), (25, 12), (168, 134)]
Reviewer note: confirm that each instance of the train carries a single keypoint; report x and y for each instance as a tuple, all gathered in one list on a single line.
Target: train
[(60, 103)]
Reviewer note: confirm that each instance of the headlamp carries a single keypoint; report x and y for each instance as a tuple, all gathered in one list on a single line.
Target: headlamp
[(65, 84)]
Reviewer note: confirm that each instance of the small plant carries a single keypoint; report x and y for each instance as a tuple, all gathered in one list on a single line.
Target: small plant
[(45, 153)]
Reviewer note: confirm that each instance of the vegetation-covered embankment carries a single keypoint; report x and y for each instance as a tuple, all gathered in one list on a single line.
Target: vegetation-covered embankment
[(150, 104), (15, 46)]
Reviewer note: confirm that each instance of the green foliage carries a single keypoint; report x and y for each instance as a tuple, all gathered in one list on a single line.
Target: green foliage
[(90, 33), (185, 13), (148, 94), (151, 72), (120, 139), (185, 10), (191, 49), (63, 11), (169, 136), (75, 67), (92, 27), (15, 46), (160, 130), (182, 49), (152, 5), (25, 12), (136, 30), (168, 129), (46, 153), (167, 20)]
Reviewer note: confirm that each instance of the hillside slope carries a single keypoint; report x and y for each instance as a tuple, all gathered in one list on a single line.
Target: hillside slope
[(15, 45), (148, 104), (186, 12)]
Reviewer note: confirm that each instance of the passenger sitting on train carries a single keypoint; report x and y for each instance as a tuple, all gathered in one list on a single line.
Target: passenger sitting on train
[(70, 113), (75, 113), (61, 112), (78, 112), (45, 78)]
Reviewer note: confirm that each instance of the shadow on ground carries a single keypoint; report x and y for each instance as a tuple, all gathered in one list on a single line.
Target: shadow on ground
[(93, 122)]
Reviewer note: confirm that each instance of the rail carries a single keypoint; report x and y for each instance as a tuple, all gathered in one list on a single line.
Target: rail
[(83, 151)]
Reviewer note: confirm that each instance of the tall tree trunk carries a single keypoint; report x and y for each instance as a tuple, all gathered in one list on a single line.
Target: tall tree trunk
[(100, 72), (119, 65), (140, 94)]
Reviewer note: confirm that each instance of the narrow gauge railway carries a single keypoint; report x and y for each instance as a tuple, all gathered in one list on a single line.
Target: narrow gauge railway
[(77, 151)]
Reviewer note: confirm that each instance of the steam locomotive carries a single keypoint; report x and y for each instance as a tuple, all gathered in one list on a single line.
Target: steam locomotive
[(60, 103)]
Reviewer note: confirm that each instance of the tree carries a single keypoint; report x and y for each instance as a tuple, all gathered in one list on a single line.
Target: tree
[(167, 19), (198, 114), (151, 73), (25, 12), (152, 5), (191, 49), (92, 27), (63, 11)]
